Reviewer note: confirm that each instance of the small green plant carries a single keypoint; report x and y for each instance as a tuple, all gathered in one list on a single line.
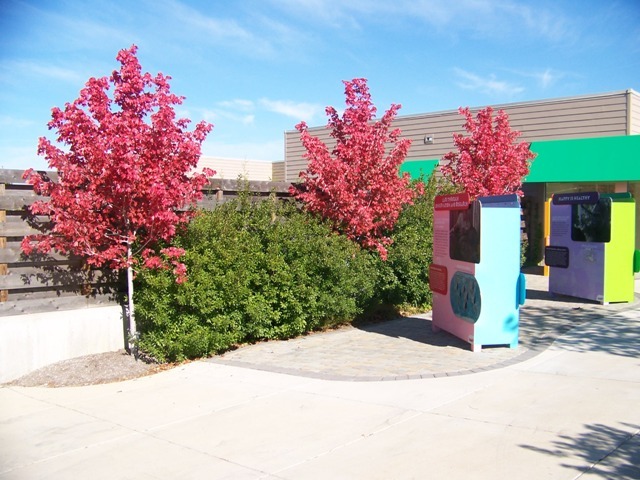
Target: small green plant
[(524, 249)]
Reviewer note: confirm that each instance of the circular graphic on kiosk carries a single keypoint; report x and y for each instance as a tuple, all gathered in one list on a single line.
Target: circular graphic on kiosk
[(465, 297)]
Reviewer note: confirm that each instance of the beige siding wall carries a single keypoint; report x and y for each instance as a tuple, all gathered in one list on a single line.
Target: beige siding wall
[(574, 117), (231, 168), (277, 171), (294, 162), (634, 112)]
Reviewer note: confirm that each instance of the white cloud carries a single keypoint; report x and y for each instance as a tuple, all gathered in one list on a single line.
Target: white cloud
[(213, 116), (246, 111), (237, 110), (548, 24), (296, 110), (210, 28), (238, 104), (342, 15), (206, 114), (213, 27), (487, 17), (543, 78), (7, 121), (488, 85), (85, 25), (24, 68), (548, 77)]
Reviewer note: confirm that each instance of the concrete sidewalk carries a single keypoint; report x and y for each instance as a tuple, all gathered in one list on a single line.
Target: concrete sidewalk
[(563, 411)]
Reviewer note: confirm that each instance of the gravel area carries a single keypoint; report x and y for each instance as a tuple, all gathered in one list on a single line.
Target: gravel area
[(90, 370)]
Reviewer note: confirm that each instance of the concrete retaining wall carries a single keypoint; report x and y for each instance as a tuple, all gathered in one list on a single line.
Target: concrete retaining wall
[(29, 342)]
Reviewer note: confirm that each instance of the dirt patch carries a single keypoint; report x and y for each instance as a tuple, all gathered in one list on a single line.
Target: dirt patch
[(95, 369)]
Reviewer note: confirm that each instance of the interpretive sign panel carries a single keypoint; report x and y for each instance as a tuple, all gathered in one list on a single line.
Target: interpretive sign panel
[(475, 273), (556, 257), (592, 246)]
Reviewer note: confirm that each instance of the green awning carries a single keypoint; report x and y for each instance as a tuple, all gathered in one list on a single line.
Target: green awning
[(602, 159), (417, 168)]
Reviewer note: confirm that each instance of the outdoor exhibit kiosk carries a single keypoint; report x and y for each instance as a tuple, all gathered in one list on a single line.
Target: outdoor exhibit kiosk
[(591, 251), (475, 276)]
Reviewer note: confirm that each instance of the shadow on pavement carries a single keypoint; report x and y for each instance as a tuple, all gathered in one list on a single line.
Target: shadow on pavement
[(533, 294), (414, 328), (543, 318), (612, 452), (542, 322)]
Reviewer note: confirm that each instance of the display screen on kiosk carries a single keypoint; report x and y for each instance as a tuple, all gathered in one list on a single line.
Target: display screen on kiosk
[(464, 234), (591, 222)]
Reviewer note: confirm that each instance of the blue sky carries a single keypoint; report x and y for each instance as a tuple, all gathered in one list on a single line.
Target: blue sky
[(255, 68)]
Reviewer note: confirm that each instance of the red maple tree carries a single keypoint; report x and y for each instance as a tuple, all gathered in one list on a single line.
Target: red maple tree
[(489, 161), (123, 176), (357, 185)]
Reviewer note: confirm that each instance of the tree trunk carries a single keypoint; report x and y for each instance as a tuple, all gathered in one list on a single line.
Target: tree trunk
[(132, 334)]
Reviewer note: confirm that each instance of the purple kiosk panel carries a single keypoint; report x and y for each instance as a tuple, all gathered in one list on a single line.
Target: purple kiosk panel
[(585, 278)]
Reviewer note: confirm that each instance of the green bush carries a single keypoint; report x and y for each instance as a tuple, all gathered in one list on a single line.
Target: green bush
[(266, 270), (256, 271), (406, 272)]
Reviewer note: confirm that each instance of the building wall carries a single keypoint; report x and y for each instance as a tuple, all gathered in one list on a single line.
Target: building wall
[(278, 172), (232, 168), (634, 112), (31, 341), (608, 114)]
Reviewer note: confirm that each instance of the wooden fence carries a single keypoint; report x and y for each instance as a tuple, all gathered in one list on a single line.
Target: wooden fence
[(56, 282)]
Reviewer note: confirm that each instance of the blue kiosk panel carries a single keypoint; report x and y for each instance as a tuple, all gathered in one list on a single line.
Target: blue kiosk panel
[(475, 278)]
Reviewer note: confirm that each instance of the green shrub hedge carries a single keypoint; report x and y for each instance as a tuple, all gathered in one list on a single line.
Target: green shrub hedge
[(407, 267), (256, 271), (267, 270)]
